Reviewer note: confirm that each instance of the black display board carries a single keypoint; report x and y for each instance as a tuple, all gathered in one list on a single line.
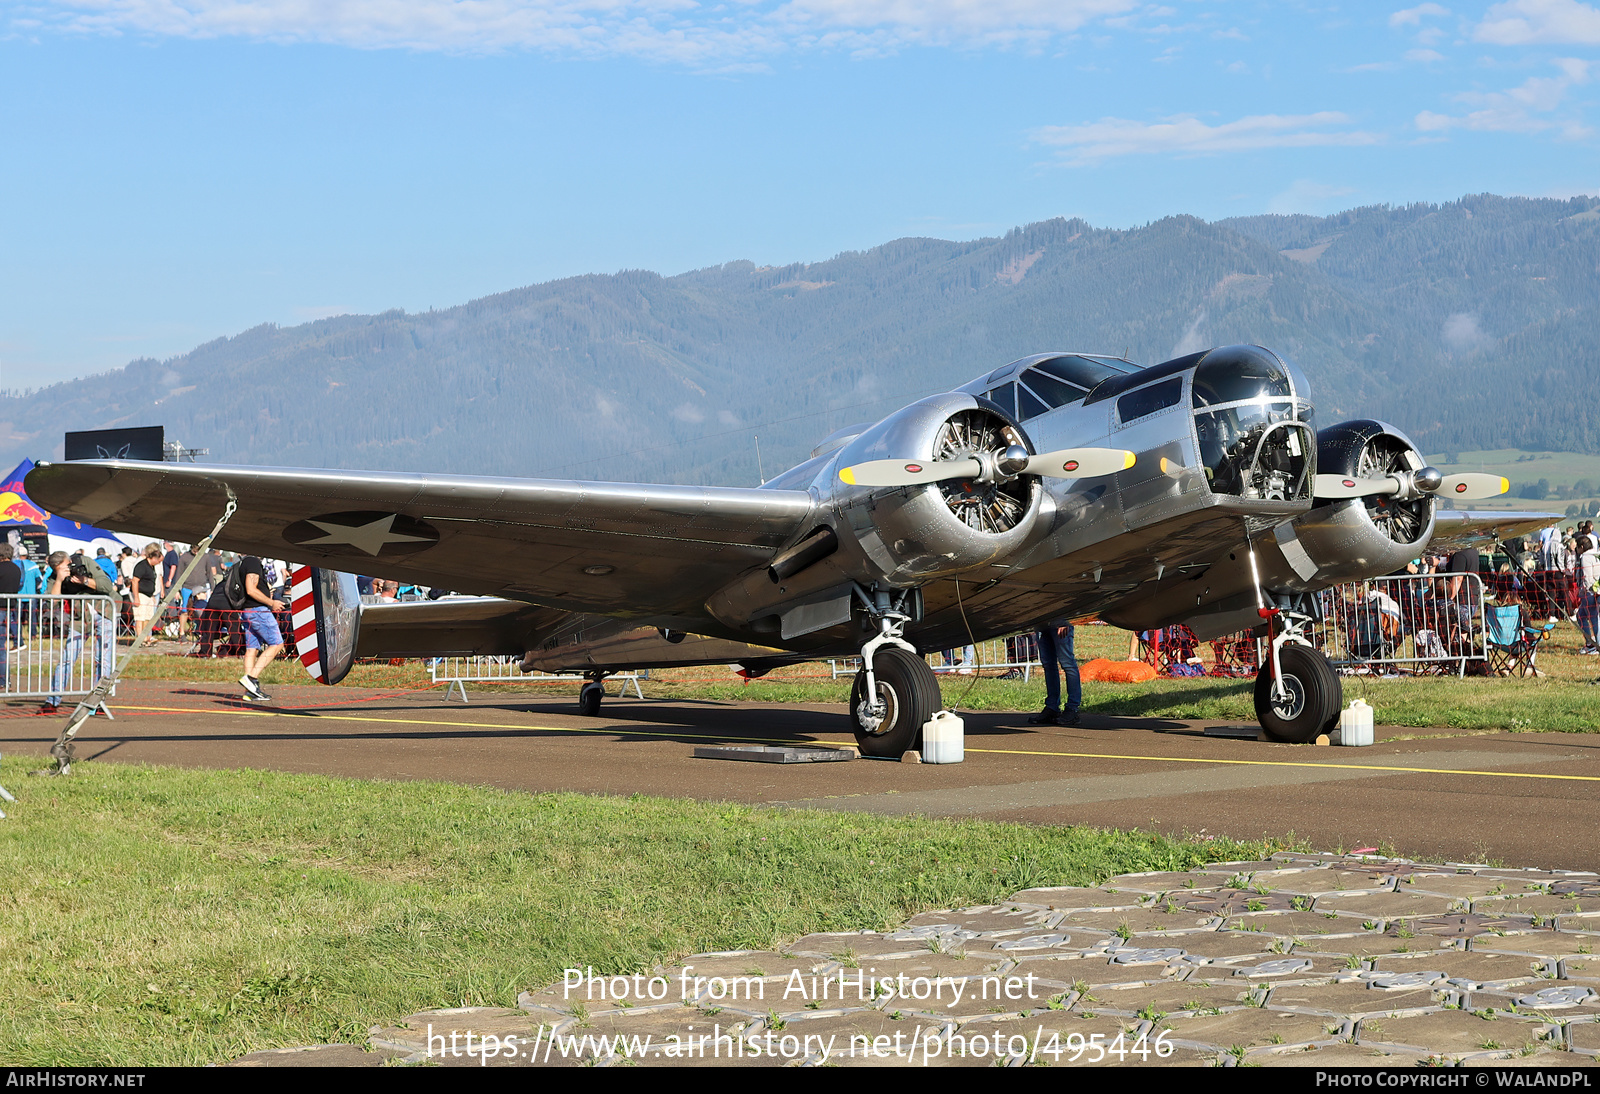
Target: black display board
[(142, 443)]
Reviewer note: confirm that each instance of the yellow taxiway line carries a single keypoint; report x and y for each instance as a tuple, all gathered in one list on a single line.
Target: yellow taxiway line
[(614, 731)]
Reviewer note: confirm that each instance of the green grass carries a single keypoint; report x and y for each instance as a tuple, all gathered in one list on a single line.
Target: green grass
[(1563, 701), (164, 916), (1522, 466)]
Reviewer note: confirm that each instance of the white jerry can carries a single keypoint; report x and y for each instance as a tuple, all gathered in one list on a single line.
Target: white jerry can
[(944, 739), (1355, 724)]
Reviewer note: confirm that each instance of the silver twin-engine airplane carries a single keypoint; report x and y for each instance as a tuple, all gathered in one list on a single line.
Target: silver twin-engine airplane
[(1195, 491)]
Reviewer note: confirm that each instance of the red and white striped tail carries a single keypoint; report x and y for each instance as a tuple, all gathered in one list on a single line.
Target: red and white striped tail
[(303, 618), (325, 615)]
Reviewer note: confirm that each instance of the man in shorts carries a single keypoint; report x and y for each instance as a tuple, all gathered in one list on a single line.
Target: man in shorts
[(263, 641)]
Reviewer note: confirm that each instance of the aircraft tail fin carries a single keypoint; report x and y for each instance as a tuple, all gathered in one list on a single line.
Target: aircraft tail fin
[(325, 612)]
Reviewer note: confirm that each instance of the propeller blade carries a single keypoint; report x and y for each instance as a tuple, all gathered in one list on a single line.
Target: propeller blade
[(908, 472), (1342, 486), (1473, 486), (1080, 463)]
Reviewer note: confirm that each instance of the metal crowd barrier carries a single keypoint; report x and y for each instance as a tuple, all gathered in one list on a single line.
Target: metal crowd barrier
[(1410, 621), (1015, 653), (458, 672), (65, 644)]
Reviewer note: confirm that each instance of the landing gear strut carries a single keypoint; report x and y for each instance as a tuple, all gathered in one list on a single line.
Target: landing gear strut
[(895, 692), (1298, 695)]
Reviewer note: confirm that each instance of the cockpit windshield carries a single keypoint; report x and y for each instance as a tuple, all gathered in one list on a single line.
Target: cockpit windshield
[(1254, 429), (1237, 374)]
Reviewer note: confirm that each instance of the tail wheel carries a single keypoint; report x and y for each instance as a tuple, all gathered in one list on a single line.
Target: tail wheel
[(910, 693), (1314, 696), (589, 699)]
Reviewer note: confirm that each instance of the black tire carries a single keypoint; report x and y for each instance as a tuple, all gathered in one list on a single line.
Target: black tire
[(589, 700), (1316, 696), (911, 690)]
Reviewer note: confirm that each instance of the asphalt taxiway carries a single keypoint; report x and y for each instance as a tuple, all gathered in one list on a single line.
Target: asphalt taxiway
[(1525, 798)]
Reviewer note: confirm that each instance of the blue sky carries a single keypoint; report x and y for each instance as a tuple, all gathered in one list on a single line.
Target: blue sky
[(179, 170)]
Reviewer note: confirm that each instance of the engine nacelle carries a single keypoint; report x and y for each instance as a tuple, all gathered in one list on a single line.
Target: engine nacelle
[(1353, 538), (894, 536), (1336, 540), (907, 535)]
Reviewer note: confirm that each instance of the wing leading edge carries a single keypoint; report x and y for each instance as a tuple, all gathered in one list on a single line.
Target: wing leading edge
[(609, 548)]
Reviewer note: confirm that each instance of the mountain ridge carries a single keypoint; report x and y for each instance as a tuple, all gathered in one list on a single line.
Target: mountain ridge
[(1468, 324)]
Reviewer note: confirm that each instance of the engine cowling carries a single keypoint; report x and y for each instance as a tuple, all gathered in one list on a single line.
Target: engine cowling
[(1356, 537), (906, 535), (896, 536)]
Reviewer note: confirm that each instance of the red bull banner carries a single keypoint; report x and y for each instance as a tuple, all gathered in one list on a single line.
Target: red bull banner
[(17, 508)]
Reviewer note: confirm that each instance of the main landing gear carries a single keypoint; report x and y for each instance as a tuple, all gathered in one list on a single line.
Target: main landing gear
[(895, 692), (1298, 695), (590, 695)]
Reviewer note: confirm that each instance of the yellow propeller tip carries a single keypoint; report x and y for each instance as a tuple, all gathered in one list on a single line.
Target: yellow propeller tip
[(1128, 459), (848, 475), (1505, 484), (1163, 465)]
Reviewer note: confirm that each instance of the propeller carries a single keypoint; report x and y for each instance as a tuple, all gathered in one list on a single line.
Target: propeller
[(1472, 486), (1066, 463)]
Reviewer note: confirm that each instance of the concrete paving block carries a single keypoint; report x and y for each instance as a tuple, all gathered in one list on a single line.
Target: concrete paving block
[(1138, 920), (1354, 1000), (1565, 998), (1551, 1058), (1452, 1032), (1547, 944), (1456, 886), (1253, 1027), (1385, 906), (1466, 969), (1301, 924), (1337, 1055), (1169, 998), (1224, 945), (1063, 898), (318, 1056), (1331, 881), (1161, 882)]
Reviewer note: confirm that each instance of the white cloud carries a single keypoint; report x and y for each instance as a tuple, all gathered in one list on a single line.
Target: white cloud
[(1461, 333), (682, 31), (1516, 110), (688, 412), (1414, 16), (1424, 56), (1306, 196), (1186, 135), (1534, 22), (1193, 338)]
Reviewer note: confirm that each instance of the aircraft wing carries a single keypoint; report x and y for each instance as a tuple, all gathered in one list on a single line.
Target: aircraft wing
[(1454, 529), (609, 548)]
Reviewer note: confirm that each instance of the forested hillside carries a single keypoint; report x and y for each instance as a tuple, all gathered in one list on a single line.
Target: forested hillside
[(1470, 324)]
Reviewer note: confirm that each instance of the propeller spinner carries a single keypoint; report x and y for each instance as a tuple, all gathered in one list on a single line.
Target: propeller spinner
[(1066, 463)]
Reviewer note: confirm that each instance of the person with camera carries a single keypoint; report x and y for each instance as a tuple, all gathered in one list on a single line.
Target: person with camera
[(76, 577)]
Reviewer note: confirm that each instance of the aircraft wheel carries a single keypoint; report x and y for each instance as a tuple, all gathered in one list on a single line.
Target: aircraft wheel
[(1315, 696), (589, 700), (910, 692)]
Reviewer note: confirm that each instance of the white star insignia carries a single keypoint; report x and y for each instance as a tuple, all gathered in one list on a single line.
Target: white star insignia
[(370, 538)]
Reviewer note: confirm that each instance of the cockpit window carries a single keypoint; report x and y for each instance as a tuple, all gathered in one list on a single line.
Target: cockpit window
[(1148, 400), (1050, 390), (1084, 372), (1239, 374), (1005, 396)]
